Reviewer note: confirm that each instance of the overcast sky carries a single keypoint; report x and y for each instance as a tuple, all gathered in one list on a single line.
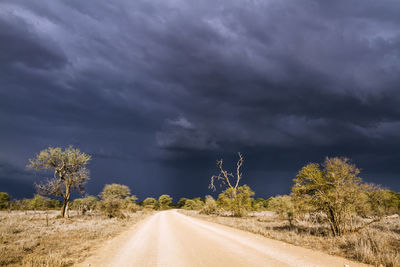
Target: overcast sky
[(157, 91)]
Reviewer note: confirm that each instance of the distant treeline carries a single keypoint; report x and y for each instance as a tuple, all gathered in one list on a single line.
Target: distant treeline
[(118, 197), (112, 201), (36, 203)]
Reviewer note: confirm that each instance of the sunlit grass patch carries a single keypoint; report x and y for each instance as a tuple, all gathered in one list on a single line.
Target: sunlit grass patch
[(29, 239)]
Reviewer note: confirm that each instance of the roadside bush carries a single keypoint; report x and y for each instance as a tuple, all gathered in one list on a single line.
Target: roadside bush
[(150, 203), (164, 202), (210, 206), (190, 204), (130, 204), (283, 206), (130, 200), (193, 204), (115, 197), (238, 201), (112, 207), (335, 189), (133, 207), (259, 204), (199, 202), (181, 202)]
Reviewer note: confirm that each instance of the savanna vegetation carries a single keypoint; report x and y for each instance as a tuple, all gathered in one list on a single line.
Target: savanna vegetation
[(31, 232), (329, 208)]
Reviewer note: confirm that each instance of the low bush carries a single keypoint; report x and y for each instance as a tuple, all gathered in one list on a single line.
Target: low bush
[(238, 201), (193, 204), (210, 206), (150, 203)]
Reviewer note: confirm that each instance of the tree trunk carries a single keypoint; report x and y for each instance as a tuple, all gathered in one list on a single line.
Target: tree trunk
[(64, 209), (333, 222), (67, 208)]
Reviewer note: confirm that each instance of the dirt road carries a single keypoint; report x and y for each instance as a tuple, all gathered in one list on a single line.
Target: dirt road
[(170, 238)]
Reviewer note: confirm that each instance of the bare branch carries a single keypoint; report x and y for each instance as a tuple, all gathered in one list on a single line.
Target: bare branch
[(213, 178), (50, 187), (239, 165), (225, 177)]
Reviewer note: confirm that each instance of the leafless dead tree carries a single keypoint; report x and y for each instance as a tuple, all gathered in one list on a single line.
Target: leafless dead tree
[(227, 178)]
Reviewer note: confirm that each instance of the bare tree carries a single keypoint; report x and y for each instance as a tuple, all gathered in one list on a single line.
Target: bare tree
[(227, 178), (235, 198), (70, 172)]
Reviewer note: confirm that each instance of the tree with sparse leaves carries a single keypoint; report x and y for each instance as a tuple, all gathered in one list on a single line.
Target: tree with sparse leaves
[(69, 172), (236, 199), (334, 189)]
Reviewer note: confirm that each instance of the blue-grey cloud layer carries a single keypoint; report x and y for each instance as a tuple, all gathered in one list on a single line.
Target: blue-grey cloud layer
[(156, 91)]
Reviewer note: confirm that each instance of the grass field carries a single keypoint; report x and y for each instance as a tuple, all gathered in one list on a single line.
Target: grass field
[(29, 239), (378, 244)]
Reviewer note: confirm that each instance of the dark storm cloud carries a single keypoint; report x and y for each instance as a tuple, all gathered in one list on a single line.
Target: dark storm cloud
[(162, 89), (16, 180), (182, 134)]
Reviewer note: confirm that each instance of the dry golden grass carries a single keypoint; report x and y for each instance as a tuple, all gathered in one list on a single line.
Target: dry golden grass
[(27, 240), (378, 244)]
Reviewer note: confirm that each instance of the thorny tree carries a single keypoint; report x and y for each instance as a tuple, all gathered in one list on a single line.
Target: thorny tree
[(335, 189), (227, 178), (70, 172)]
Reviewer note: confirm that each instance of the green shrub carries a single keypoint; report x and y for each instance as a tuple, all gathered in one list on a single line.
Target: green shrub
[(129, 204), (4, 200), (193, 204), (210, 206), (115, 191), (150, 203), (259, 204), (112, 207), (115, 197), (181, 202), (164, 202), (82, 205), (238, 201), (335, 189), (38, 202), (283, 206)]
